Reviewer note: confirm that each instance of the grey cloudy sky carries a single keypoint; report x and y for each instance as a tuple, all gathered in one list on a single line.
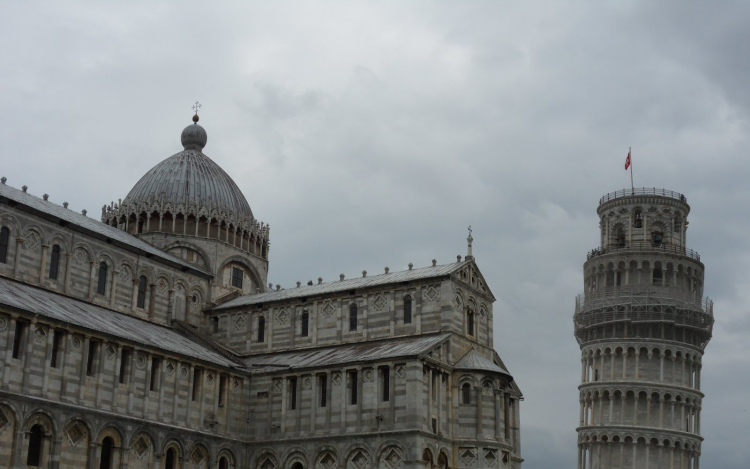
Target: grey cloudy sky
[(372, 134)]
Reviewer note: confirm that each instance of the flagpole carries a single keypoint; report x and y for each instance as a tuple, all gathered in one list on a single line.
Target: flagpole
[(632, 187)]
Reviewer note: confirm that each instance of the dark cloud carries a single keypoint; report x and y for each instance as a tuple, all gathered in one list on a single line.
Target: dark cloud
[(371, 135)]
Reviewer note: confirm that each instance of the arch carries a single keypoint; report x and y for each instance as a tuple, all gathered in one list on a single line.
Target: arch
[(327, 458), (267, 459), (226, 459), (391, 455), (466, 393), (41, 429), (206, 265), (60, 239), (245, 263), (173, 454), (427, 458), (443, 460), (296, 457), (6, 219), (38, 230), (358, 456), (198, 455)]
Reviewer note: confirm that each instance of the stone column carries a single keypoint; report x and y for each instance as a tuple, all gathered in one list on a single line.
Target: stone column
[(68, 262), (92, 279), (28, 355), (170, 305), (152, 301), (43, 263), (134, 295), (498, 414), (17, 259), (113, 289), (84, 364), (63, 364), (478, 390)]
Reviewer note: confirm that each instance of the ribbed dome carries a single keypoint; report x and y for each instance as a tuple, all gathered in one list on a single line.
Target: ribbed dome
[(190, 177)]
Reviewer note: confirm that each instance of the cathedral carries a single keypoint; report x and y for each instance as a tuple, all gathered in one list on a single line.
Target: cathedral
[(150, 339)]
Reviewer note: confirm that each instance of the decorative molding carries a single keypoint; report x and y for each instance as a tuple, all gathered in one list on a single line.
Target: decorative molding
[(379, 302), (328, 309)]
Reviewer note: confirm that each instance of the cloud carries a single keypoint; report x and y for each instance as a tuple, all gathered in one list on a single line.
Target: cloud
[(371, 135)]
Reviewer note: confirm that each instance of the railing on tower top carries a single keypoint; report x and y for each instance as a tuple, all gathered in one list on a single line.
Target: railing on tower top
[(644, 247), (642, 191)]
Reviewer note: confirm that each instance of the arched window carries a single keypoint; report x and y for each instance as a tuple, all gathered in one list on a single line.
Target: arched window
[(34, 457), (169, 459), (466, 393), (297, 465), (4, 240), (658, 274), (223, 464), (261, 329), (638, 219), (142, 281), (305, 324), (658, 238), (101, 287), (407, 309), (54, 261), (353, 317), (620, 237), (470, 322), (105, 462)]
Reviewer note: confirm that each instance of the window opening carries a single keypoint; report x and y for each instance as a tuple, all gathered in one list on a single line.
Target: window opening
[(323, 390), (620, 238), (293, 391), (216, 324), (223, 464), (407, 310), (638, 221), (196, 383), (305, 324), (237, 275), (466, 393), (658, 274), (54, 261), (35, 446), (4, 241), (142, 291), (261, 329), (124, 365), (353, 317), (93, 347), (470, 321), (353, 380), (106, 457), (155, 365), (101, 287), (658, 238), (57, 338), (169, 460), (222, 390), (19, 338), (386, 383), (434, 426)]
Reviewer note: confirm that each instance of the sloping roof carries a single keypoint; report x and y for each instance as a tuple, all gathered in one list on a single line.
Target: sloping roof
[(344, 285), (473, 360), (80, 313), (349, 353), (93, 226)]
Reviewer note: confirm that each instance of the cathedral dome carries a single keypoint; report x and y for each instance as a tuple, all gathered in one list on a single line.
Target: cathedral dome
[(190, 178)]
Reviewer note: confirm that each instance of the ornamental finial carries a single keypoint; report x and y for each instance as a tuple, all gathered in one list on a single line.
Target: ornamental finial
[(469, 240), (196, 107)]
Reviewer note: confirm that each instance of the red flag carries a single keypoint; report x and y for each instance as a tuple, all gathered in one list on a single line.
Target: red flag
[(627, 161)]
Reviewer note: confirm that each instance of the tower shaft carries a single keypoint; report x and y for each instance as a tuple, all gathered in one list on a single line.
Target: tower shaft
[(642, 324)]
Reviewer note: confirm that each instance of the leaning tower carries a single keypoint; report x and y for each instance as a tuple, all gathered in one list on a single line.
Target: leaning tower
[(642, 324)]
